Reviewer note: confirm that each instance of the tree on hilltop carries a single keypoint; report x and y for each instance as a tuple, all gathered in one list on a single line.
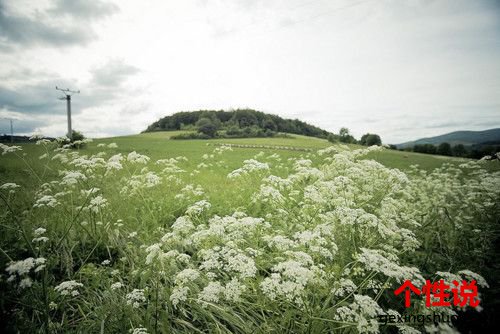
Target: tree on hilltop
[(207, 127), (370, 139)]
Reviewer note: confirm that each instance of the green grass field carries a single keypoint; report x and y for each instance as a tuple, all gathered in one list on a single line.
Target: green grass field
[(158, 145), (270, 235)]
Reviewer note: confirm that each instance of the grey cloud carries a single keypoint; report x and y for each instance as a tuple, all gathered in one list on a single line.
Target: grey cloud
[(38, 99), (22, 126), (84, 9), (25, 31), (47, 29)]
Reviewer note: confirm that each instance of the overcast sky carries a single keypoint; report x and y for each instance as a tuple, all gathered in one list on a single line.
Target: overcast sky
[(402, 69)]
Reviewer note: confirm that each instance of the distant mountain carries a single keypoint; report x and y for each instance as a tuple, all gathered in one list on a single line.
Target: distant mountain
[(467, 138)]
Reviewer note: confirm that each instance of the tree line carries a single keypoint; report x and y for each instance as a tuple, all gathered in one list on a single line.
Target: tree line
[(344, 136), (459, 150)]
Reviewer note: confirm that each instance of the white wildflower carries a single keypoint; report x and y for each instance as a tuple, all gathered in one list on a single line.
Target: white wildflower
[(139, 330), (183, 225), (344, 287), (136, 298), (72, 177), (97, 203), (135, 157), (23, 267), (9, 149), (25, 283), (186, 276), (46, 201), (179, 294), (116, 286), (233, 290), (198, 207), (9, 186), (211, 293), (69, 288)]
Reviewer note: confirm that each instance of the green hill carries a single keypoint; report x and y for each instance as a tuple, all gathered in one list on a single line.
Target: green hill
[(468, 138), (237, 123)]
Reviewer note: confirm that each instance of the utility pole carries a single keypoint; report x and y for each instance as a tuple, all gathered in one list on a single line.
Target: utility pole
[(67, 97), (11, 128)]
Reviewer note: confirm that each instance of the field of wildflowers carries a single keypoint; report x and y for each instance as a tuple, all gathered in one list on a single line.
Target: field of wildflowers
[(287, 242)]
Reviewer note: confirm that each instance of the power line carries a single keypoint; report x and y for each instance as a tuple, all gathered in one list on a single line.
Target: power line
[(67, 92), (325, 13), (223, 17), (310, 18), (243, 27)]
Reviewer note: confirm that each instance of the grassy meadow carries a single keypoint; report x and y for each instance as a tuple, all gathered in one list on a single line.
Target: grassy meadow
[(144, 234)]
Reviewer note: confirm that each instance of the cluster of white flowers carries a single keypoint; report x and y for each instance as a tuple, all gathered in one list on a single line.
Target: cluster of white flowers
[(69, 288), (116, 286), (72, 177), (249, 166), (190, 191), (142, 181), (183, 225), (235, 229), (136, 298), (22, 268), (186, 276), (9, 186), (135, 157), (203, 165), (375, 260), (171, 165), (114, 162), (46, 201), (198, 208), (229, 260), (343, 287), (291, 277), (269, 195), (331, 150), (363, 311), (9, 149), (215, 291), (88, 164), (279, 241), (223, 148), (233, 290), (212, 292), (179, 294), (96, 204), (278, 182), (110, 145), (38, 235), (154, 251)]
